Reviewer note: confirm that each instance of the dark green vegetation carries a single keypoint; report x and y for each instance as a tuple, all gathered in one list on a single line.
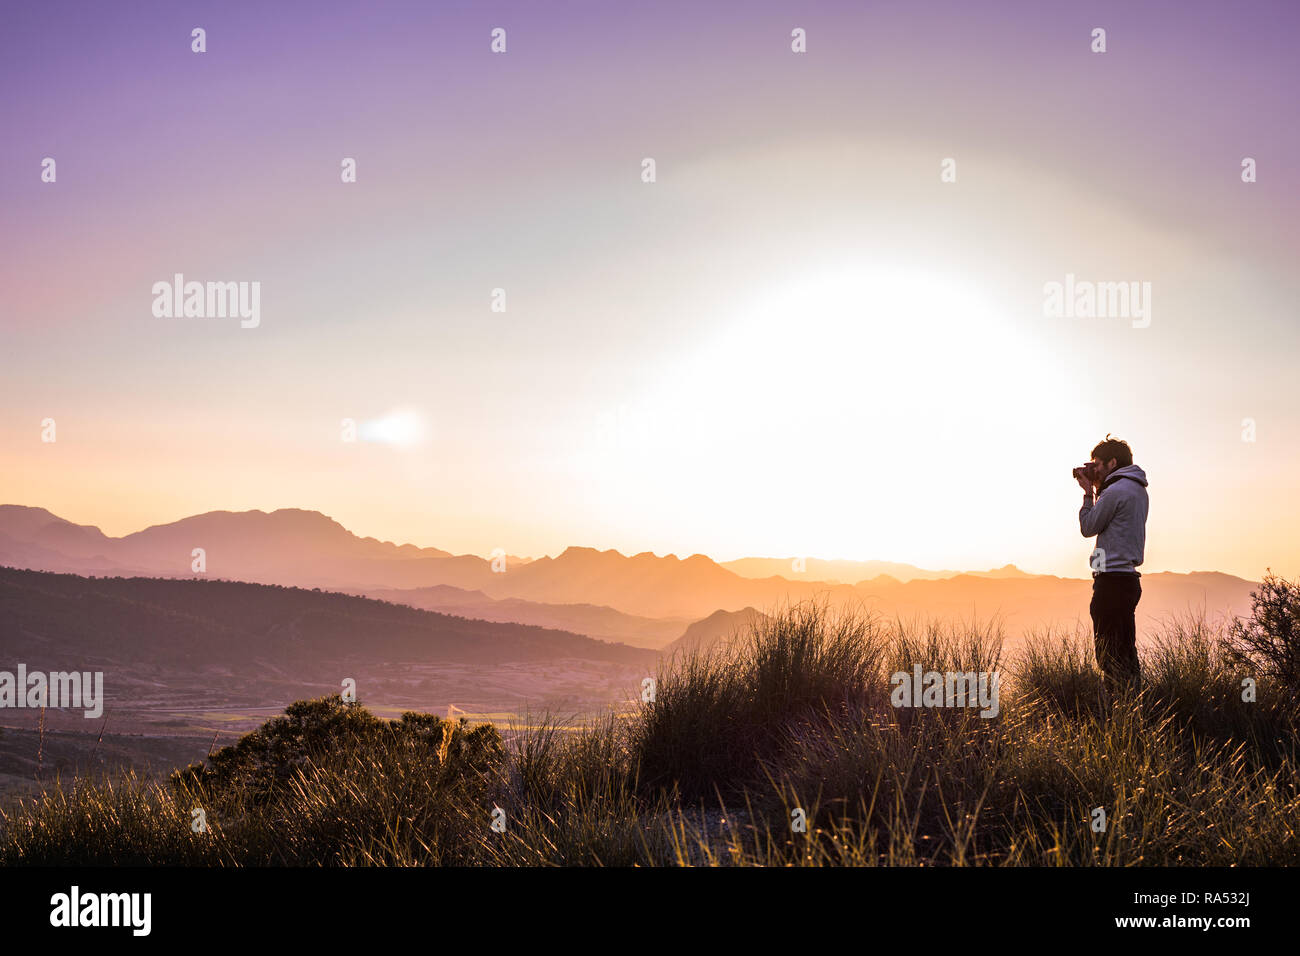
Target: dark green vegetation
[(795, 715)]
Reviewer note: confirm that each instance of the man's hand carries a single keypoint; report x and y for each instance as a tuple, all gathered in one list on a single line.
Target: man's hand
[(1084, 483)]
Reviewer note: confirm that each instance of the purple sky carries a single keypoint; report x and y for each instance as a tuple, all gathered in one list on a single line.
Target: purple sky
[(478, 170)]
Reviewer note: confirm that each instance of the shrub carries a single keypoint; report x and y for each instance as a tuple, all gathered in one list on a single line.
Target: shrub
[(1270, 638)]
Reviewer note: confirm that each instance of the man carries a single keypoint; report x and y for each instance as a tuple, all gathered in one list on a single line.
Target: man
[(1115, 510)]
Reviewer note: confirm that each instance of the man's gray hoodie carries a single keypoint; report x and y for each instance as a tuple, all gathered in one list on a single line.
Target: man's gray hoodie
[(1119, 519)]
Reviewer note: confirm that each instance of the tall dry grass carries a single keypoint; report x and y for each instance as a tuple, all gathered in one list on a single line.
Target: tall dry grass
[(793, 720)]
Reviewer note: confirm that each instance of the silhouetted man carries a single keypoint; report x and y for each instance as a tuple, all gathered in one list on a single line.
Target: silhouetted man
[(1115, 510)]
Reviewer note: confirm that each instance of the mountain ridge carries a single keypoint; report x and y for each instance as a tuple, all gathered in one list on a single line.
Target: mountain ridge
[(294, 547)]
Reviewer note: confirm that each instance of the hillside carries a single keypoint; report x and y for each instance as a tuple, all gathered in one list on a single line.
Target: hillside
[(205, 656), (718, 626), (145, 620), (600, 622)]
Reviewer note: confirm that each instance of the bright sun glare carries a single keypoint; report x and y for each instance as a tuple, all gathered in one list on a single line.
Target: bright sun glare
[(833, 388)]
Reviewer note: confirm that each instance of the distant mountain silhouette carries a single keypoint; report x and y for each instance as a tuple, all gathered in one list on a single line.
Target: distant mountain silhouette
[(34, 537), (602, 623), (718, 626), (582, 589), (307, 549), (642, 584), (849, 572), (289, 546), (1006, 571)]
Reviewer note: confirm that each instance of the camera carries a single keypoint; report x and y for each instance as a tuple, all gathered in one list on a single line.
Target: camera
[(1087, 471)]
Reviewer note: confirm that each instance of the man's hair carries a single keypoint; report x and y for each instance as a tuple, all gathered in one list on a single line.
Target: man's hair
[(1113, 448)]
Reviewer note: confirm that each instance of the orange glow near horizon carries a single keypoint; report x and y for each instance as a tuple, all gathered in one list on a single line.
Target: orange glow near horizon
[(841, 412)]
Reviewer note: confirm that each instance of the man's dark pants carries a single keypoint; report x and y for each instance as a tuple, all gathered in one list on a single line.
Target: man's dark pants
[(1114, 629)]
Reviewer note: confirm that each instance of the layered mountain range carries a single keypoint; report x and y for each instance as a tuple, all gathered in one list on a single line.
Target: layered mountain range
[(642, 599)]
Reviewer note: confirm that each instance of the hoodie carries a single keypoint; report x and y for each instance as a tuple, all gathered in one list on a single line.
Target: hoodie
[(1118, 517)]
